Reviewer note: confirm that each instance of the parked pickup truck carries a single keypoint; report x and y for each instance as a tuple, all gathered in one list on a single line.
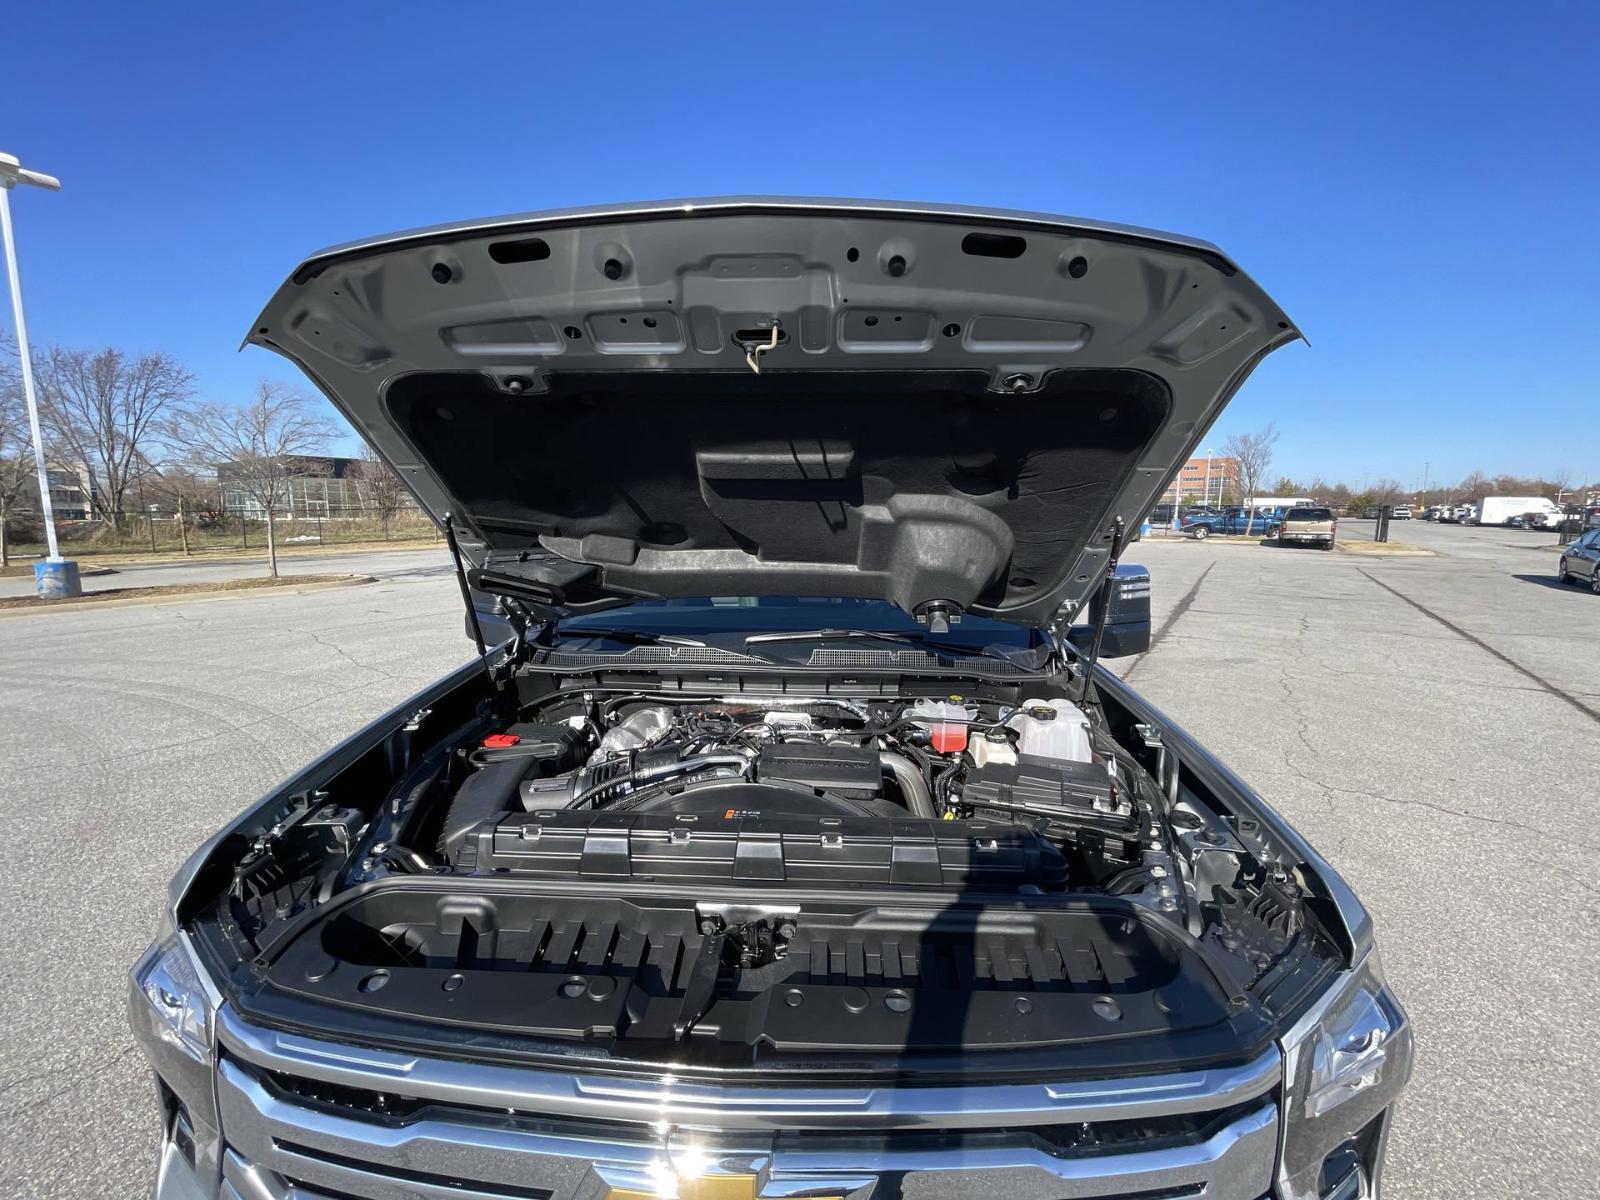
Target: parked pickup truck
[(1231, 520), (665, 898), (1308, 527)]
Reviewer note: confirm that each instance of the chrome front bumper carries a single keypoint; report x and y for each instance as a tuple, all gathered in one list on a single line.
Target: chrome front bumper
[(302, 1119)]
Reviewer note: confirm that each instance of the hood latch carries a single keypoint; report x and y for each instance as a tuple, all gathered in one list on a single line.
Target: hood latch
[(754, 350)]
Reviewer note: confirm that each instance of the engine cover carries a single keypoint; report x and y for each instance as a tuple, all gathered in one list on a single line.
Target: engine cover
[(735, 800), (827, 767), (739, 832)]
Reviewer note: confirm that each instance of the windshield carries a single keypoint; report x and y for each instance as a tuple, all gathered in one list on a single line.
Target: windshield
[(1310, 514), (706, 616)]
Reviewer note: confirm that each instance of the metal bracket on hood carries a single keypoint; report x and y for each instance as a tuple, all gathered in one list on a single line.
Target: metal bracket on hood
[(754, 350), (938, 615)]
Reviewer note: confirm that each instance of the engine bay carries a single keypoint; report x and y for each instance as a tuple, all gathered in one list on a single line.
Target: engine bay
[(908, 871), (942, 792)]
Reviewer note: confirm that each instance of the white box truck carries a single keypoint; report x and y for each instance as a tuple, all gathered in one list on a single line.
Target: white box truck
[(1498, 510)]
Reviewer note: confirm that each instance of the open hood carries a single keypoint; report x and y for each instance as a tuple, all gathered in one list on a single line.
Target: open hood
[(952, 409)]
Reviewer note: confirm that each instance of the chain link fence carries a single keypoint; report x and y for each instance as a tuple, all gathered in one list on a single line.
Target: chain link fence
[(161, 532)]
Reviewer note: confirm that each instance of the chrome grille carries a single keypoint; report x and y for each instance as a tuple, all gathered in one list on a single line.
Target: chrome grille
[(394, 1126)]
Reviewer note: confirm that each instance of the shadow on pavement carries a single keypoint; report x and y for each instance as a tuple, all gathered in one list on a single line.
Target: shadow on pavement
[(1550, 581)]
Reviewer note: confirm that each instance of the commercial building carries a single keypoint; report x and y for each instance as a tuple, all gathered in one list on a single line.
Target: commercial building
[(1204, 480)]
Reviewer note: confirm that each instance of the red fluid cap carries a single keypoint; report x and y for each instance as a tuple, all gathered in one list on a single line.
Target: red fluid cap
[(499, 741)]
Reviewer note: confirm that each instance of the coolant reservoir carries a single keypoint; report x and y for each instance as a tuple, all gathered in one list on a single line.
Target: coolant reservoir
[(1052, 728), (945, 721)]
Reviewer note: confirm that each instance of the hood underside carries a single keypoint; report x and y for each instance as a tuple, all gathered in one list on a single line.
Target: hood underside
[(958, 406)]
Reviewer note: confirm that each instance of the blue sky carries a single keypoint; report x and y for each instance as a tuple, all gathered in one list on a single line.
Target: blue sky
[(1418, 185)]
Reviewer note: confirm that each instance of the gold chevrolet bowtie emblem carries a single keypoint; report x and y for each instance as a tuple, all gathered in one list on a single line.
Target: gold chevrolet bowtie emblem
[(705, 1187)]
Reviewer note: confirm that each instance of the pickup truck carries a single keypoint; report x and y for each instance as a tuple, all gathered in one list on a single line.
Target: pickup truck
[(1231, 520), (1309, 526), (663, 898)]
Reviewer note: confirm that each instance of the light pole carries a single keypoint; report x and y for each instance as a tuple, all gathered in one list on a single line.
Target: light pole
[(54, 576), (1209, 453)]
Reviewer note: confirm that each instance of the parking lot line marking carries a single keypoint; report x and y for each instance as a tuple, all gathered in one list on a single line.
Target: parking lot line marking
[(1172, 617), (1484, 646)]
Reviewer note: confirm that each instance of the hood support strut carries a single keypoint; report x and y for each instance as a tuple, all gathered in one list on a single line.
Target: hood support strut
[(466, 593), (1103, 607)]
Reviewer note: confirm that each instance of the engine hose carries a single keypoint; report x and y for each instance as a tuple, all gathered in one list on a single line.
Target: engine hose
[(651, 774), (911, 784), (923, 759)]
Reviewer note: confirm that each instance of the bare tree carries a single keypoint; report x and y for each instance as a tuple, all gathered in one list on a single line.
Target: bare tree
[(184, 491), (105, 411), (1560, 483), (258, 447), (18, 473), (379, 487), (1387, 491), (1475, 487), (1253, 453)]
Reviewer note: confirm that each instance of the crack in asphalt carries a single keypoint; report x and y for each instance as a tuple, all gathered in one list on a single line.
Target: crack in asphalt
[(1328, 791), (1296, 706), (1172, 619), (1544, 684), (341, 652)]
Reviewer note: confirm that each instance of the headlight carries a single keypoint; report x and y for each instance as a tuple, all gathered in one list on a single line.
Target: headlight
[(181, 1009), (171, 1007), (1348, 1050), (1344, 1064)]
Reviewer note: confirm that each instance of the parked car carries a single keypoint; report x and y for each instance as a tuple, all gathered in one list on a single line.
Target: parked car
[(1231, 520), (1400, 512), (1308, 526), (737, 865), (1580, 561)]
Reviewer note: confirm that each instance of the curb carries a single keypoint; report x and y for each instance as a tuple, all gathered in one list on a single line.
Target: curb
[(185, 597), (1407, 552), (1216, 539)]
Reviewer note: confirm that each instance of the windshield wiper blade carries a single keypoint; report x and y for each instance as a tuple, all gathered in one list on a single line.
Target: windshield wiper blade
[(639, 637), (909, 639)]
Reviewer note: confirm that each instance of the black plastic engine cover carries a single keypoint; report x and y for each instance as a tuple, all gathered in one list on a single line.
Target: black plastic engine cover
[(827, 767), (725, 800), (739, 832)]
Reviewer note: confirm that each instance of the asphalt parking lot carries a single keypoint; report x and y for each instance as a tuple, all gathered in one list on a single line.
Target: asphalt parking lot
[(1432, 724)]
